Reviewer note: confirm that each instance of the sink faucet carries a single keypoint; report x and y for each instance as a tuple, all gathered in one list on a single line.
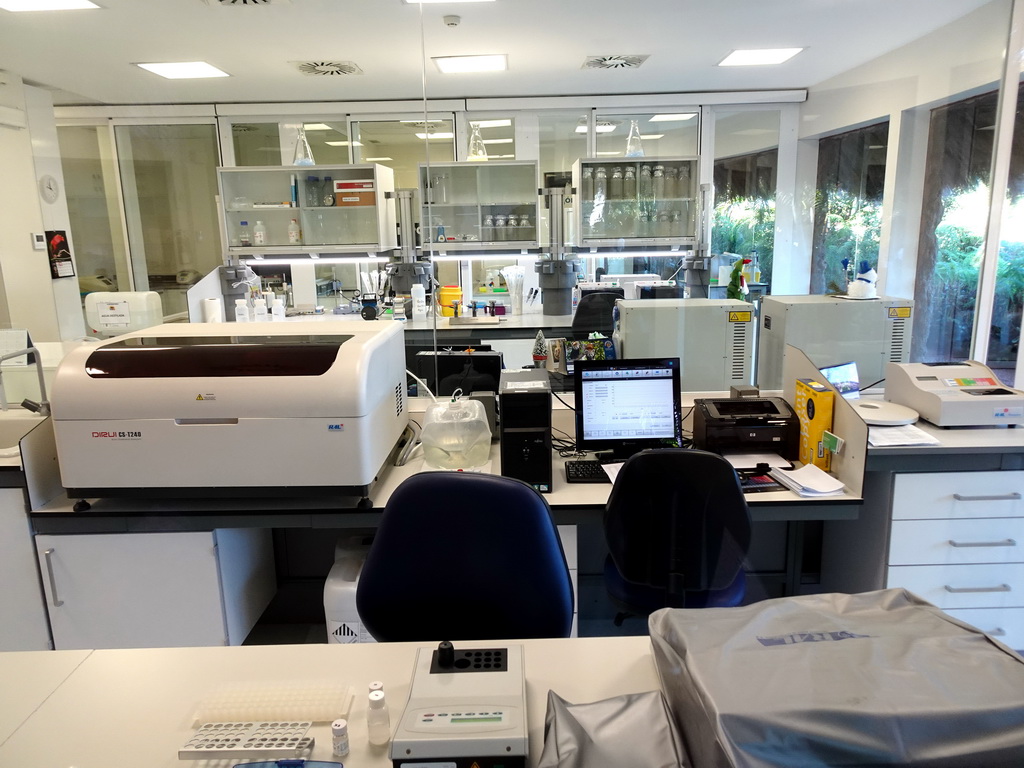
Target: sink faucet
[(43, 406)]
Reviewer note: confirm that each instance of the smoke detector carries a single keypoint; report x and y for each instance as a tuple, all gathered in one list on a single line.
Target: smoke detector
[(328, 67), (614, 62)]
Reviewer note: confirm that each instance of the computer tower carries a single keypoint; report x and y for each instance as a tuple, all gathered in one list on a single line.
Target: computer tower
[(832, 330), (713, 338), (524, 418)]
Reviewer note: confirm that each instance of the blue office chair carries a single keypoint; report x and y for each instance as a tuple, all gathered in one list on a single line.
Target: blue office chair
[(465, 556), (678, 529), (594, 313)]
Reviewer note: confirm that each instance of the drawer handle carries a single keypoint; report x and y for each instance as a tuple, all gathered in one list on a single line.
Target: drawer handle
[(48, 556), (1003, 543), (960, 590), (1014, 496)]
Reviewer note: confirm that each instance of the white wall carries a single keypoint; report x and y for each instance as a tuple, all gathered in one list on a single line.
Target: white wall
[(29, 298)]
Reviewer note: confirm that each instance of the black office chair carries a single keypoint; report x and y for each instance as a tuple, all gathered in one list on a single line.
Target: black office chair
[(594, 313), (678, 530), (465, 556)]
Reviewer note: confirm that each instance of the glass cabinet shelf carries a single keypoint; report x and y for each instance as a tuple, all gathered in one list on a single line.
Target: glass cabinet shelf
[(639, 201), (320, 209), (479, 205)]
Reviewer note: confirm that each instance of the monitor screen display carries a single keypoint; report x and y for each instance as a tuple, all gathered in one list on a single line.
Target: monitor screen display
[(625, 406), (844, 378)]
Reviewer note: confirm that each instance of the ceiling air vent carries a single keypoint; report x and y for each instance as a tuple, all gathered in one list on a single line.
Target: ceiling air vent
[(328, 67), (614, 62), (240, 3)]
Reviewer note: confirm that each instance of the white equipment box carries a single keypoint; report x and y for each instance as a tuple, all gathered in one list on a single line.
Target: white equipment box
[(713, 338), (466, 706), (966, 394), (832, 330), (215, 409)]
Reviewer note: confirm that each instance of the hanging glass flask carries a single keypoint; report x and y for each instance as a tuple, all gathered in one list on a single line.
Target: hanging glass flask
[(477, 150), (633, 146), (303, 154)]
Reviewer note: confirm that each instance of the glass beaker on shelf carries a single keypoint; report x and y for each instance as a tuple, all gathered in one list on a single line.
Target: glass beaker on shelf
[(634, 147), (477, 150)]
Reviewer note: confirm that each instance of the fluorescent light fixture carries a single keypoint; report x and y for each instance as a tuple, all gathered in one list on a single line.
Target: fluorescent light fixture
[(609, 154), (497, 141), (758, 57), (425, 2), (672, 118), (317, 127), (491, 123), (436, 135), (328, 260), (601, 128), (455, 65), (343, 143), (376, 159), (16, 6), (651, 136), (420, 122), (179, 70)]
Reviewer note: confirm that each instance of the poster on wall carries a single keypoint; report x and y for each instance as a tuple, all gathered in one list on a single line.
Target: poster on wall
[(60, 254)]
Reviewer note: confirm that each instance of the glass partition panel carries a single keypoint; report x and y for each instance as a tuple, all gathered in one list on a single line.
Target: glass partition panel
[(403, 144), (169, 178), (668, 134), (256, 143), (90, 182), (745, 178)]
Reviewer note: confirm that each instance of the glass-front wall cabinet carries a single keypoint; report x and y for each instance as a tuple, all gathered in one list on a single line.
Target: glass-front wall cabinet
[(471, 205), (324, 209)]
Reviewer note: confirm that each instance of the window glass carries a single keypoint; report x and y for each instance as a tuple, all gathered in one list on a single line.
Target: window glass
[(1004, 341), (403, 145), (848, 207), (256, 143), (498, 135), (954, 215), (743, 219), (328, 140), (169, 178)]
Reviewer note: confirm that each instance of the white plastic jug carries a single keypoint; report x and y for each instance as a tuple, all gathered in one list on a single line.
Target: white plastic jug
[(456, 435)]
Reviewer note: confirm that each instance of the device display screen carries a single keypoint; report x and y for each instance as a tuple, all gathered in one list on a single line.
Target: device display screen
[(476, 720)]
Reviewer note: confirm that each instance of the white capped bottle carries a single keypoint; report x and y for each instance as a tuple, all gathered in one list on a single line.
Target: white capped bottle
[(294, 232), (241, 311), (378, 721), (339, 738), (244, 239), (277, 311), (419, 302), (259, 311), (259, 234)]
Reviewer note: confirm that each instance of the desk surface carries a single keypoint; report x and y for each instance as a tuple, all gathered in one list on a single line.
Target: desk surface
[(134, 708), (28, 678)]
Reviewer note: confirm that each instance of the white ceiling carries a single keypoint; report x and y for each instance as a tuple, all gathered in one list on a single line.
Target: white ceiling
[(86, 57)]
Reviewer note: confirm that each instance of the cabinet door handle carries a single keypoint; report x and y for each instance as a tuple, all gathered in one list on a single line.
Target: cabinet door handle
[(960, 590), (1003, 543), (1014, 496), (48, 556)]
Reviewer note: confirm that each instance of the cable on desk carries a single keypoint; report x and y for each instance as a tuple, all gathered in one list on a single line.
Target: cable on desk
[(555, 394), (869, 386)]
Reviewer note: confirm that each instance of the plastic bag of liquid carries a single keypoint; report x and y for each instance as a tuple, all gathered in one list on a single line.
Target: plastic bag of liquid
[(456, 435)]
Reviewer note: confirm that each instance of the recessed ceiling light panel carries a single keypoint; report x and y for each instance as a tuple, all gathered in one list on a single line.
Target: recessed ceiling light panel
[(17, 6), (758, 57), (182, 70), (450, 65)]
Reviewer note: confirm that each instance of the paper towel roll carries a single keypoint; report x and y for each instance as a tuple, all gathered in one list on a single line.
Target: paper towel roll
[(213, 310)]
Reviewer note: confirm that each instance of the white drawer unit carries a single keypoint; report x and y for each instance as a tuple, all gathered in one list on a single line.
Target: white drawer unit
[(957, 540)]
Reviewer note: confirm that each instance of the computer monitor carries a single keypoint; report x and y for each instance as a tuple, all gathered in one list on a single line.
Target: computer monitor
[(625, 406), (844, 378)]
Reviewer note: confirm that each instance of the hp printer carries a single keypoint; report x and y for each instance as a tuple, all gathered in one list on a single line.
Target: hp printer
[(217, 409), (746, 425)]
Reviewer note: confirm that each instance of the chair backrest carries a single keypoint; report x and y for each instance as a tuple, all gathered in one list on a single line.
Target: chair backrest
[(677, 519), (465, 556), (594, 313)]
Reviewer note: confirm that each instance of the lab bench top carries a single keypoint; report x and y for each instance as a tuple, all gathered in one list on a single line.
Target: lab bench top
[(136, 707)]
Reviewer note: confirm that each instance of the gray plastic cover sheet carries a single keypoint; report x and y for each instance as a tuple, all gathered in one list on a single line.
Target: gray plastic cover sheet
[(873, 679), (633, 730)]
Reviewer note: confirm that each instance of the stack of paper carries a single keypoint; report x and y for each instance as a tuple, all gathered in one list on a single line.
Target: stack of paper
[(809, 480)]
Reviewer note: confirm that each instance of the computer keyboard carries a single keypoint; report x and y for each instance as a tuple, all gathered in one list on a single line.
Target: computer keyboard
[(585, 471)]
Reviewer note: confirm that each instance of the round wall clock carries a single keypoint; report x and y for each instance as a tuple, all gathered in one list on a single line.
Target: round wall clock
[(49, 190)]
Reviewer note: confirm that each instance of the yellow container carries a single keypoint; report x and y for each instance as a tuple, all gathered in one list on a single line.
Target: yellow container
[(445, 296)]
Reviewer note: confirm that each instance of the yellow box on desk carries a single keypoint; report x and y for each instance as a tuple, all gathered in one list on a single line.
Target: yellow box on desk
[(814, 410)]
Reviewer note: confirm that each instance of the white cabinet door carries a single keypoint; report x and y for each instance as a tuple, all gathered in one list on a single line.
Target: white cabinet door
[(132, 590), (24, 626)]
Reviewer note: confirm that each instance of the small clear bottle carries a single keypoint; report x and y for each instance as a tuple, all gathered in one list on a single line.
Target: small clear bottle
[(600, 185), (587, 185), (339, 738), (629, 184), (244, 238), (658, 182), (242, 311), (378, 721), (327, 192), (487, 228), (313, 191), (259, 234), (277, 313), (615, 186), (294, 232)]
